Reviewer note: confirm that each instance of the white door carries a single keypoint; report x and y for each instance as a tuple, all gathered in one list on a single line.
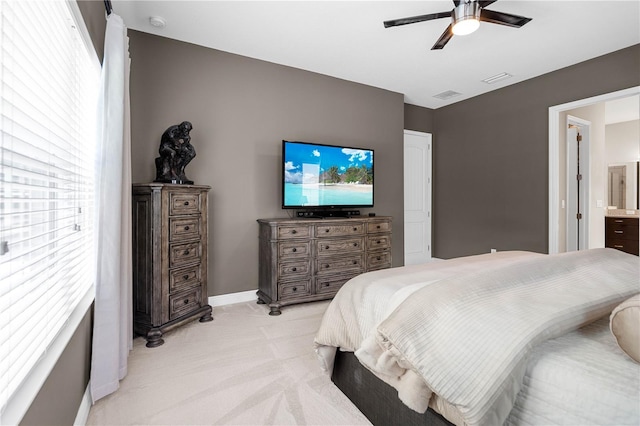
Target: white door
[(577, 183), (417, 197)]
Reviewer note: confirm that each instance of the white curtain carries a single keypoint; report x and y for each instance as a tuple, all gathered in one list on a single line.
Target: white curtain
[(112, 329)]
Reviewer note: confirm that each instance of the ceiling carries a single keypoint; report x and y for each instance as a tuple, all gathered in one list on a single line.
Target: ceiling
[(347, 40), (620, 110)]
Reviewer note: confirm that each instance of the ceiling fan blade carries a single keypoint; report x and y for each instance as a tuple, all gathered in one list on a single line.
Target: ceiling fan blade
[(444, 38), (503, 18), (486, 3), (414, 19)]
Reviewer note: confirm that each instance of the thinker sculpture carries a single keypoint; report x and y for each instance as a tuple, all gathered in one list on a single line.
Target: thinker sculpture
[(176, 152)]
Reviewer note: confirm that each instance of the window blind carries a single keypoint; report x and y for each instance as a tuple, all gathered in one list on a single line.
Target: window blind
[(48, 91)]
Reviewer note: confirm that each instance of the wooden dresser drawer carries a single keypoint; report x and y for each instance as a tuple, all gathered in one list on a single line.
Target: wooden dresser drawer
[(380, 226), (378, 242), (180, 279), (628, 246), (184, 228), (334, 265), (181, 203), (337, 246), (294, 231), (622, 228), (292, 269), (181, 254), (294, 290), (182, 303), (336, 230), (378, 260), (294, 248), (330, 285)]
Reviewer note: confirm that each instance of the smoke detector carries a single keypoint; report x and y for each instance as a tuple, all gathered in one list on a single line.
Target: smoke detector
[(156, 21)]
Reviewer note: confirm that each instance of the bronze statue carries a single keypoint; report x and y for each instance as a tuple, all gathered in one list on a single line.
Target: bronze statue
[(176, 152)]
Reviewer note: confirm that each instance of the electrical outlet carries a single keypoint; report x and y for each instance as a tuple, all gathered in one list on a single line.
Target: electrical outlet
[(493, 250)]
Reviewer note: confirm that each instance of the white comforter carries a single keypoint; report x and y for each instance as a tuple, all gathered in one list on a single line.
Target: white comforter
[(580, 378), (435, 344)]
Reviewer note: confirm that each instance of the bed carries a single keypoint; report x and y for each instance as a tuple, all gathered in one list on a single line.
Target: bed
[(505, 338)]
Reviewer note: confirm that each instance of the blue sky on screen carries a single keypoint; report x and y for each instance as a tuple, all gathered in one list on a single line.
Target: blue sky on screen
[(299, 154)]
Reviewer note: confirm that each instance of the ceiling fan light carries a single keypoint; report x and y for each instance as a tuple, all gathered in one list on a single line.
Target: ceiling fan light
[(466, 18), (466, 26)]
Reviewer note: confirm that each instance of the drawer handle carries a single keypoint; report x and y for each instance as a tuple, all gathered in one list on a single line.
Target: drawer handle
[(186, 301), (186, 252), (355, 244), (294, 269), (294, 249), (186, 203), (295, 289), (378, 226), (185, 277), (294, 232), (326, 265), (326, 284), (355, 229), (326, 247), (326, 230), (378, 242), (186, 228), (378, 258), (617, 246), (619, 232), (355, 262), (619, 221)]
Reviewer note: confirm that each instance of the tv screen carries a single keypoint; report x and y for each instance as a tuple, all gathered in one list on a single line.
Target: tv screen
[(326, 176)]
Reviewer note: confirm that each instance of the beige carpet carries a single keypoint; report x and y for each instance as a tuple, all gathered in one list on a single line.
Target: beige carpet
[(244, 368)]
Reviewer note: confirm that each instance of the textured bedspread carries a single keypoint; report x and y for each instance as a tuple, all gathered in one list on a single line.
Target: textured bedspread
[(585, 363), (471, 324), (366, 300)]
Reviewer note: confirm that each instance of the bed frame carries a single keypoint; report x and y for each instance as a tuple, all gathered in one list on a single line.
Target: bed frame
[(377, 400)]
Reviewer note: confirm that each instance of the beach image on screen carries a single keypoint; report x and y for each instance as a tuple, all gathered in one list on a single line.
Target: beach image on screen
[(318, 175)]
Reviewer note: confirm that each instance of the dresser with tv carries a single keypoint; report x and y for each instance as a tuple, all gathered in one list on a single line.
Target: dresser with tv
[(306, 260)]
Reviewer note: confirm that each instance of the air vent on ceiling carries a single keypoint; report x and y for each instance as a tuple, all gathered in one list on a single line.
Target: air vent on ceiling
[(446, 95), (497, 77)]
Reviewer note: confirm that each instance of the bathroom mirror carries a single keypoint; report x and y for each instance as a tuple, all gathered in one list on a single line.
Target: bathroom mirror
[(623, 185)]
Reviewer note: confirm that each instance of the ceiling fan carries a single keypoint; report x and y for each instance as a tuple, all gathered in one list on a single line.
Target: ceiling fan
[(465, 19)]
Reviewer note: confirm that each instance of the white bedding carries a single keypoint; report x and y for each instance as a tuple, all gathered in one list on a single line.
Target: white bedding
[(366, 300), (581, 378), (353, 322)]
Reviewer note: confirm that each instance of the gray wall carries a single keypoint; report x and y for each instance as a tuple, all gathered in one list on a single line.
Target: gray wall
[(59, 398), (241, 109), (93, 13), (490, 157), (418, 118)]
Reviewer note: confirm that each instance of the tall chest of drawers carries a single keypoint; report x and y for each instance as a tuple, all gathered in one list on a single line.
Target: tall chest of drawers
[(622, 233), (304, 260), (169, 258)]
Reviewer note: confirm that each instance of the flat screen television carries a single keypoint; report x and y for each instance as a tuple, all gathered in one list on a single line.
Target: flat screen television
[(326, 176)]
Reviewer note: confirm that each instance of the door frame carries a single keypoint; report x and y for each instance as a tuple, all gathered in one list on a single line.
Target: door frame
[(584, 129), (554, 146)]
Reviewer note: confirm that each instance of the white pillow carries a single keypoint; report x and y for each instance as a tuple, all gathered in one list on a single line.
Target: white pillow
[(624, 323)]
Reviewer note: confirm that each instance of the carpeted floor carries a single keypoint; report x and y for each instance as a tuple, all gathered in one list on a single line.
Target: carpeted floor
[(244, 368)]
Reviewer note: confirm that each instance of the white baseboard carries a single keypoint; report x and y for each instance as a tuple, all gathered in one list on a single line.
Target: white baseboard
[(83, 409), (231, 298)]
